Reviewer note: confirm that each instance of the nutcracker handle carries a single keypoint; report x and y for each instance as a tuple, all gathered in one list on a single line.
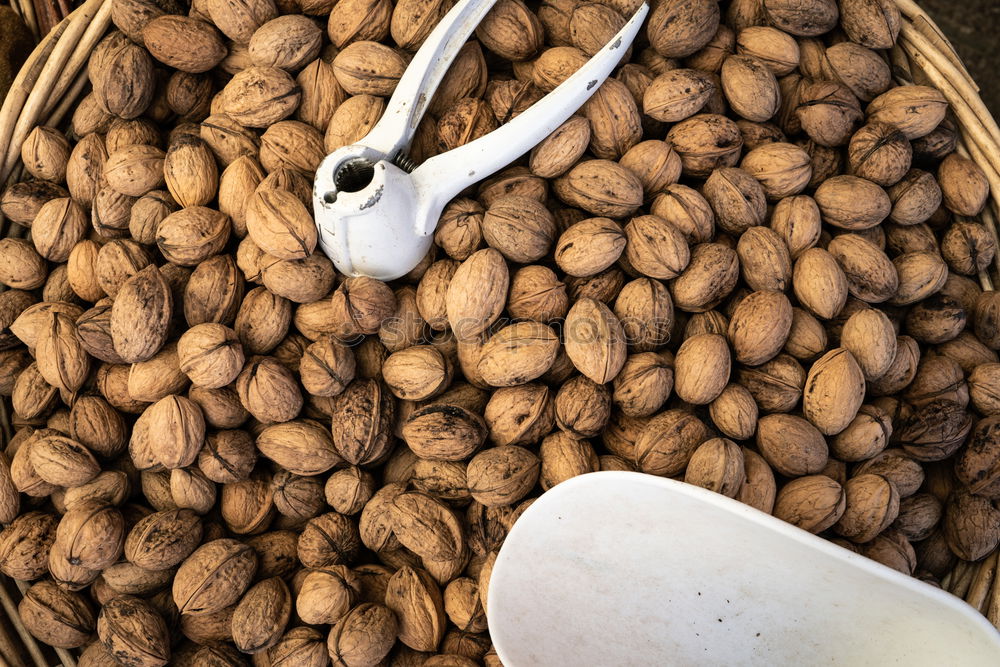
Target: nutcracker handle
[(442, 177), (393, 134)]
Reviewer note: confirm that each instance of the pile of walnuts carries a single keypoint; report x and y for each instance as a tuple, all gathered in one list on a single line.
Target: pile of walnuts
[(749, 262)]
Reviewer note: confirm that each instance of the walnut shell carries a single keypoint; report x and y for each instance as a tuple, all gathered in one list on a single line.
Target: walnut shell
[(183, 43), (259, 96), (45, 152), (222, 407), (210, 355), (783, 169), (365, 411), (413, 20), (537, 294), (140, 315), (853, 203), (735, 412), (135, 169), (502, 476), (62, 461), (655, 164), (260, 617), (326, 368), (262, 321), (214, 576), (865, 437), (915, 110), (677, 94), (835, 389), (327, 595), (511, 30), (600, 187), (239, 20), (462, 605), (963, 183), (717, 465), (59, 225), (737, 198), (348, 490), (872, 504), (356, 20), (873, 23), (594, 340), (562, 149), (519, 227), (444, 432), (179, 426), (426, 526), (687, 210), (21, 201), (701, 369), (921, 274), (706, 142), (190, 173), (555, 65), (32, 396), (329, 539), (85, 169), (827, 111), (819, 283), (813, 503), (666, 442), (680, 28), (759, 327), (134, 632), (163, 540), (58, 617), (302, 447), (759, 488), (709, 277), (750, 88), (471, 311), (25, 544), (293, 145), (417, 373), (792, 446), (269, 391), (615, 121), (364, 636), (642, 386), (62, 360), (368, 68), (970, 526), (646, 312), (91, 535), (287, 42), (117, 261), (589, 247), (416, 598), (871, 276), (192, 235)]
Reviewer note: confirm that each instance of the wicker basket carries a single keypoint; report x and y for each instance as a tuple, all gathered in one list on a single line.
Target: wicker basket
[(55, 76)]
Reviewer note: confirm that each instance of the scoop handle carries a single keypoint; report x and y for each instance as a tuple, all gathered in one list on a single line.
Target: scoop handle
[(443, 176)]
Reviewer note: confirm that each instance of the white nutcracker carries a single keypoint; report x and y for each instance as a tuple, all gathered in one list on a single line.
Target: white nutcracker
[(376, 211)]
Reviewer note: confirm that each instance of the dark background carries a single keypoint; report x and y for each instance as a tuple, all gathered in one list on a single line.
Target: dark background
[(973, 26)]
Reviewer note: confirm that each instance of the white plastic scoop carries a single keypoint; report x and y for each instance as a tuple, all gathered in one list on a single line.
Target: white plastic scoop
[(619, 568), (375, 213)]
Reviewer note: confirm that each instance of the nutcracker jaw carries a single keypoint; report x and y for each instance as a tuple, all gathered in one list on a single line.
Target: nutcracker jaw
[(374, 216), (374, 231)]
